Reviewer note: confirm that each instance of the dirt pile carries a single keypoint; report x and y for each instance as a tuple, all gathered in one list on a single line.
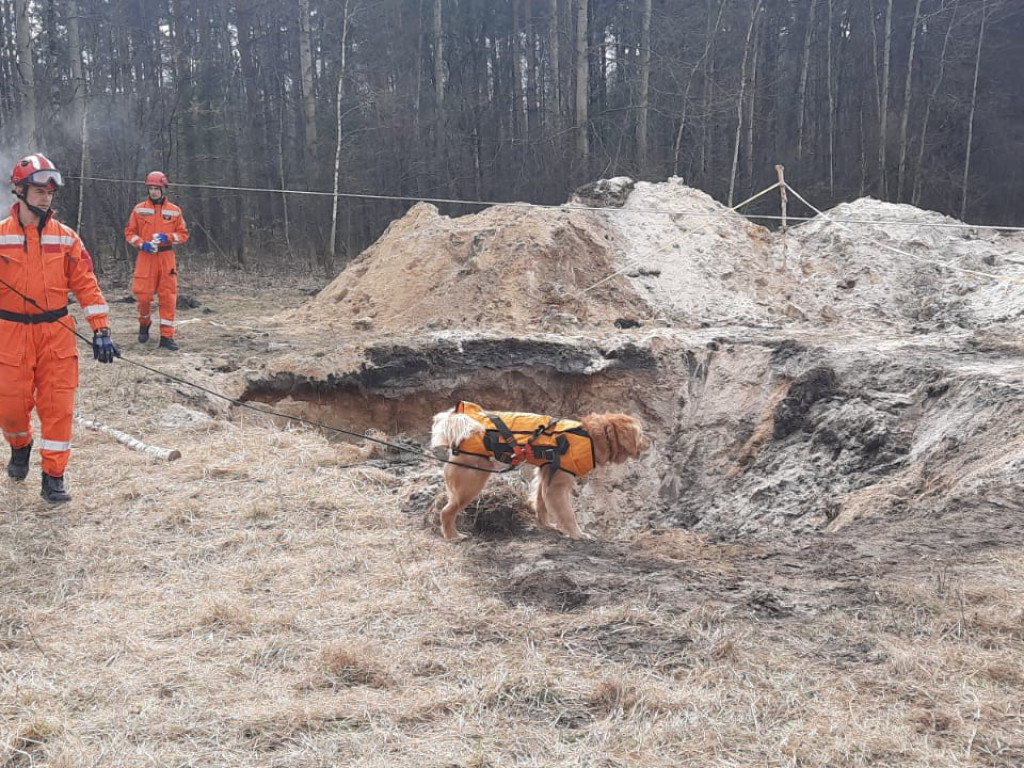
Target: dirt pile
[(668, 255), (511, 269), (865, 263)]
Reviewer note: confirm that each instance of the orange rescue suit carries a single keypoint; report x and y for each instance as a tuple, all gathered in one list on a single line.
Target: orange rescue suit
[(38, 351), (156, 272), (539, 440)]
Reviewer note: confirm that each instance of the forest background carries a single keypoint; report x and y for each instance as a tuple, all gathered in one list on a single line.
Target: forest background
[(295, 131)]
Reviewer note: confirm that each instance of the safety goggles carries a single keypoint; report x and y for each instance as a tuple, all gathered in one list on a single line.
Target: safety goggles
[(44, 178)]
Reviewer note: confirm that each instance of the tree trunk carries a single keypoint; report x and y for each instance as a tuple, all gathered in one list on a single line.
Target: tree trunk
[(582, 87), (186, 103), (918, 175), (974, 106), (753, 98), (337, 146), (438, 57), (284, 187), (883, 109), (308, 87), (555, 107), (644, 97), (532, 109), (708, 133), (517, 53), (802, 90), (709, 42), (80, 116), (440, 123), (739, 101), (831, 110), (418, 79), (27, 73), (904, 120)]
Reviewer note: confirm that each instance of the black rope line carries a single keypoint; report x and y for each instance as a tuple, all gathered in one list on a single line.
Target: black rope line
[(289, 417), (256, 409)]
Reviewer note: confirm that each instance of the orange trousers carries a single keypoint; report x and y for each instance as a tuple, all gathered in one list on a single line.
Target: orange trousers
[(39, 369), (156, 273)]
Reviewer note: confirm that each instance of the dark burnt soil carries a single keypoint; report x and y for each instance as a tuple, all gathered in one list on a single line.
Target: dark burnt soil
[(855, 569)]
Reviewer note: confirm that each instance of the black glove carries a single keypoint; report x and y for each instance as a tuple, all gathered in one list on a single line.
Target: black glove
[(103, 348)]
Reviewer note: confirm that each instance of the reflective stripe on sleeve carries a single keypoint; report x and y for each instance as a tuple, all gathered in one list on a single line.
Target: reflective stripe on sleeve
[(96, 309)]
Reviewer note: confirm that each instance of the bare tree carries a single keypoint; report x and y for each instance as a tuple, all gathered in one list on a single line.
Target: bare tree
[(802, 90), (308, 86), (919, 175), (338, 113), (700, 65), (755, 9), (532, 106), (905, 119), (81, 115), (645, 80), (883, 105), (974, 108), (518, 55), (555, 83), (438, 56), (582, 85), (27, 73), (831, 106)]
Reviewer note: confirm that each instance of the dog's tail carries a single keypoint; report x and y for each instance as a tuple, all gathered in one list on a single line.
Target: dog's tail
[(452, 428)]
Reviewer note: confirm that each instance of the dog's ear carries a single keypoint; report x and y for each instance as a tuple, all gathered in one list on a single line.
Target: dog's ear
[(616, 437), (626, 440), (630, 436)]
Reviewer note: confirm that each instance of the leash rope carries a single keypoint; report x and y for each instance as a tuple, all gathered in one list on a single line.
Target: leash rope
[(251, 406)]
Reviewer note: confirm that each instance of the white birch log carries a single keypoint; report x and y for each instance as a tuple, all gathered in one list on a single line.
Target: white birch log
[(167, 454)]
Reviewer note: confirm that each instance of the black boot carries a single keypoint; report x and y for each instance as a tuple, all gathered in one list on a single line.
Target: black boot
[(168, 343), (17, 468), (53, 489), (143, 333)]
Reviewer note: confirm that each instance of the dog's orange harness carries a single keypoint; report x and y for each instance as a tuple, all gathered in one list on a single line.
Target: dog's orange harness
[(513, 438)]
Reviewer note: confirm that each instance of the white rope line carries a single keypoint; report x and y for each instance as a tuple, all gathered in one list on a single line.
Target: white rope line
[(899, 251), (633, 260), (566, 206)]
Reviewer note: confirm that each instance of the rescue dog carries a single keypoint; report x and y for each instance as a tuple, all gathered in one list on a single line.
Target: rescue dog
[(481, 443)]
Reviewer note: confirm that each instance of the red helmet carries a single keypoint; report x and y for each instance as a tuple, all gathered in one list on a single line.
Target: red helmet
[(157, 179), (37, 171)]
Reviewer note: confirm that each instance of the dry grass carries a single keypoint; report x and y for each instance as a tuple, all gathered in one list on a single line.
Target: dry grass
[(256, 603)]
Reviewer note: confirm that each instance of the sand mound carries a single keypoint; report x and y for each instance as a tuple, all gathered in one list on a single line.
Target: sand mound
[(508, 269)]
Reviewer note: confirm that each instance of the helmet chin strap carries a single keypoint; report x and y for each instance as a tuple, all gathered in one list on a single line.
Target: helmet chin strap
[(42, 213)]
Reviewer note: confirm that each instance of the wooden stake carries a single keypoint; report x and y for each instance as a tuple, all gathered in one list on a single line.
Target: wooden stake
[(781, 170)]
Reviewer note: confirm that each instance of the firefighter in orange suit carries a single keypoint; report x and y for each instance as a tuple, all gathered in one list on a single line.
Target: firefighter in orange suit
[(40, 263), (155, 227)]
